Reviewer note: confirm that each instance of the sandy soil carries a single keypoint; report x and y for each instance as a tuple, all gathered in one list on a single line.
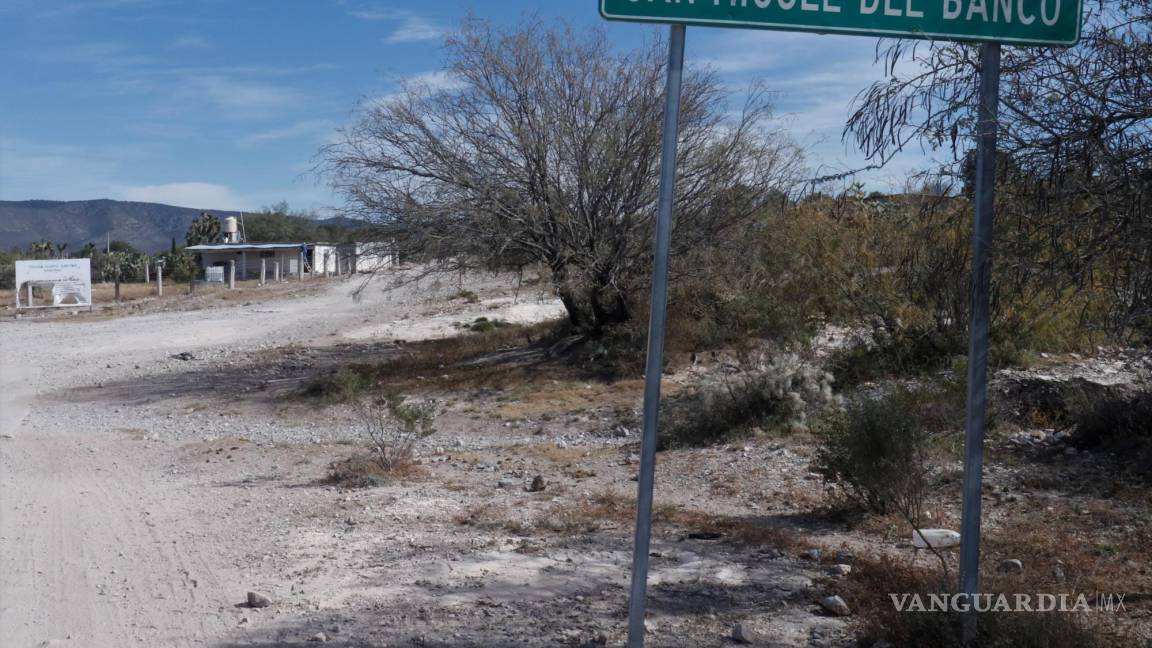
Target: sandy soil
[(158, 463), (105, 539), (142, 494)]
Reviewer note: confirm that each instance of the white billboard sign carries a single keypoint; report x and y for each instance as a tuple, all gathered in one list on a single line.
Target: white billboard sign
[(214, 274), (60, 283)]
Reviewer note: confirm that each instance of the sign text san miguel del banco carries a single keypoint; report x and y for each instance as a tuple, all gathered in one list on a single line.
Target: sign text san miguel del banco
[(1034, 22)]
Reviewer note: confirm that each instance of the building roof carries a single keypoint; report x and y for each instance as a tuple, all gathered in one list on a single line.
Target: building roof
[(225, 247)]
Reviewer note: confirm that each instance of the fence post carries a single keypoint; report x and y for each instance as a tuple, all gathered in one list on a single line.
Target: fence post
[(159, 281), (232, 275)]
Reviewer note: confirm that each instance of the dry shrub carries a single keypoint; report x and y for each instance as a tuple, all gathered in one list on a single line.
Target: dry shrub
[(867, 591), (391, 427), (468, 296), (1093, 545), (342, 385), (766, 391), (447, 362), (879, 450), (361, 471), (906, 352), (587, 514), (610, 509), (1122, 425), (489, 517), (744, 530)]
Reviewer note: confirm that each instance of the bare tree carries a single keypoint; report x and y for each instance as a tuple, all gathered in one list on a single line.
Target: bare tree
[(544, 148), (1076, 149)]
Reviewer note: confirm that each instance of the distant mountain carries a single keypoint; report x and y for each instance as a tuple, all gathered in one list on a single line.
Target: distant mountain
[(149, 227)]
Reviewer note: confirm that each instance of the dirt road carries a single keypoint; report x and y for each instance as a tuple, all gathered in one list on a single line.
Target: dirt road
[(104, 543), (156, 467)]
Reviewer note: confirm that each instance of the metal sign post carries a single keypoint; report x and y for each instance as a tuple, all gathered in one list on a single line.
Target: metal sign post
[(654, 369), (978, 326), (1026, 22)]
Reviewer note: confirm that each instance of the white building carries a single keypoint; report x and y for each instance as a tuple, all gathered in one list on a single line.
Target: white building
[(291, 259), (366, 257)]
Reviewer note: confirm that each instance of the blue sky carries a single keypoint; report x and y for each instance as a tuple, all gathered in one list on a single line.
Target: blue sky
[(224, 103)]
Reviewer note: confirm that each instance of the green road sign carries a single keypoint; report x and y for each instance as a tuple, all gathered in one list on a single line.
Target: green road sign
[(1028, 22)]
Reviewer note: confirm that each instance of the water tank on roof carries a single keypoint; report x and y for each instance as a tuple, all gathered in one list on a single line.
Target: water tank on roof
[(230, 230)]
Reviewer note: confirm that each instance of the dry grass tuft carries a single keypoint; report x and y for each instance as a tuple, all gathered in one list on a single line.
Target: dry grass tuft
[(466, 361), (868, 593), (362, 471)]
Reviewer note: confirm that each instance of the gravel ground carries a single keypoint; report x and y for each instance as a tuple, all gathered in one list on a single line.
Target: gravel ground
[(144, 493)]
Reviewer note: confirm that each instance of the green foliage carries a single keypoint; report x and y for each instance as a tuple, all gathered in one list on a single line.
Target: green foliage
[(178, 265), (119, 267), (44, 249), (205, 230), (8, 269), (279, 223), (485, 325), (908, 353), (124, 247), (767, 391), (1074, 203), (391, 427), (879, 450)]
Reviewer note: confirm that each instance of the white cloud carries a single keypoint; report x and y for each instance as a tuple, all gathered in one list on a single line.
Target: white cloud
[(230, 92), (191, 41), (434, 81), (237, 97), (299, 129), (414, 29), (199, 195), (377, 14), (426, 82)]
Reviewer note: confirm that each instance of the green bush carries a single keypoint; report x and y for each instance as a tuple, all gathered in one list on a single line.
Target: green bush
[(178, 266), (7, 270), (906, 353), (772, 391), (485, 325), (879, 451)]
